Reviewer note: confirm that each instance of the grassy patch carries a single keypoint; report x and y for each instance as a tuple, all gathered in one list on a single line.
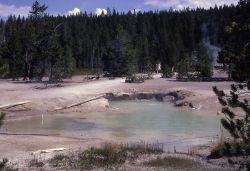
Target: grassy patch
[(102, 157), (172, 162), (105, 157)]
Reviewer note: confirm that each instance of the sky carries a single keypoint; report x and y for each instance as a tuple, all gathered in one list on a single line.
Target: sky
[(71, 7)]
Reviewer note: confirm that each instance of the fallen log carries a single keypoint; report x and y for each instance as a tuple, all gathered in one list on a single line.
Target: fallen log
[(7, 106), (23, 134), (77, 104), (18, 110), (49, 150), (46, 135)]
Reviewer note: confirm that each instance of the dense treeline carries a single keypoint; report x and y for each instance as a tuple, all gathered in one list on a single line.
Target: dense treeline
[(42, 45), (235, 54)]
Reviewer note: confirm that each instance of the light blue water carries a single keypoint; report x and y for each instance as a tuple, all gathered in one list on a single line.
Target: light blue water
[(129, 121), (154, 121)]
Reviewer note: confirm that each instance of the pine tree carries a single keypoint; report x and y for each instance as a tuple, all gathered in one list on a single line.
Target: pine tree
[(235, 106), (237, 124), (186, 67), (40, 44), (236, 51), (28, 38), (131, 61), (57, 70), (110, 63), (204, 66), (69, 63), (37, 10)]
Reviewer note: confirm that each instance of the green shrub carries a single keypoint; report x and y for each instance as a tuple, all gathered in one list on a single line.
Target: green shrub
[(4, 70), (230, 149), (167, 72), (3, 163), (5, 167)]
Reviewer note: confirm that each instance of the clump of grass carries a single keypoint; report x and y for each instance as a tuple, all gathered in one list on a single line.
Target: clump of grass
[(102, 157), (35, 163), (59, 160), (172, 162), (107, 156)]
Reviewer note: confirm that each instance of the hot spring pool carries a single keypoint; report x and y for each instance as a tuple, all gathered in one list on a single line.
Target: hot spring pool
[(128, 121)]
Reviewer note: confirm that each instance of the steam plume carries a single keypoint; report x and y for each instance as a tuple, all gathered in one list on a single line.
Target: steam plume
[(212, 51)]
